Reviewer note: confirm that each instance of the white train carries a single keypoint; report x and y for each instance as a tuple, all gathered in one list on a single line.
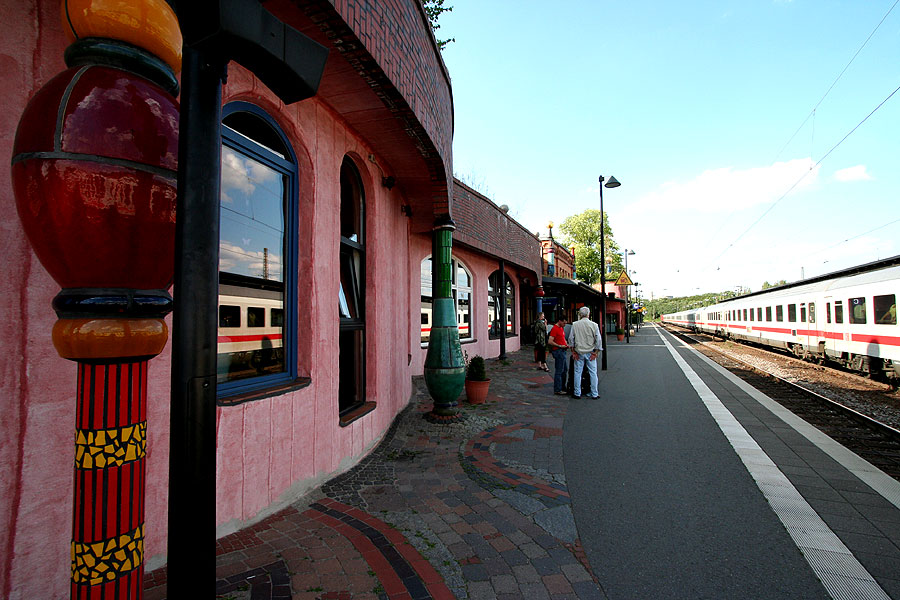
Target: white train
[(462, 322), (251, 331), (848, 317)]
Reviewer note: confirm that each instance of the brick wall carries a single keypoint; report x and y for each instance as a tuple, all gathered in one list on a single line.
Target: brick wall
[(390, 44), (480, 224)]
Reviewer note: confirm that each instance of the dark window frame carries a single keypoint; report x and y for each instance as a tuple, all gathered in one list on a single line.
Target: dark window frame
[(510, 303), (289, 169), (352, 328)]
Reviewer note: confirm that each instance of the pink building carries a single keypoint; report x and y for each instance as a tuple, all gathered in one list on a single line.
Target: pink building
[(324, 281)]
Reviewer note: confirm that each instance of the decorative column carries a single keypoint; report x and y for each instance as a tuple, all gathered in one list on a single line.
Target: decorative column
[(445, 370), (94, 176)]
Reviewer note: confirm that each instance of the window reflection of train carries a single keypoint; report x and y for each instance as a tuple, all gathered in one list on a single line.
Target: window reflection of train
[(251, 324), (848, 317), (462, 322)]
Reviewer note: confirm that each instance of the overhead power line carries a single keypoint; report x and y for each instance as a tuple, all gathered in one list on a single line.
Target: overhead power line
[(802, 177), (838, 78)]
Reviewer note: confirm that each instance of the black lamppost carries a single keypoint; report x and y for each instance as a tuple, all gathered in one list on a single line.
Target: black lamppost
[(627, 253), (612, 183)]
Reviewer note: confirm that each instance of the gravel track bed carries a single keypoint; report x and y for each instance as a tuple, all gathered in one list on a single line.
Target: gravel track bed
[(871, 398)]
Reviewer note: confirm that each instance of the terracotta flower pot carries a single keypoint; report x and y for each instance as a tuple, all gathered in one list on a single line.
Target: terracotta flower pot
[(620, 336), (476, 391)]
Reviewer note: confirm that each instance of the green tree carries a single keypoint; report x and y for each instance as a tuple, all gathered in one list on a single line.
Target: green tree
[(766, 285), (583, 232), (433, 9)]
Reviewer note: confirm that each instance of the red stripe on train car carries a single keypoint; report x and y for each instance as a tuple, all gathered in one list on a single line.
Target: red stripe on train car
[(247, 338), (884, 340)]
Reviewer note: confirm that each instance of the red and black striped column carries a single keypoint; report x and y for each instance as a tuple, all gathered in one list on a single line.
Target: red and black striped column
[(110, 473), (94, 173)]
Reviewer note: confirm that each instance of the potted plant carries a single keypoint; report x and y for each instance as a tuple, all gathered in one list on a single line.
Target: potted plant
[(620, 334), (477, 381)]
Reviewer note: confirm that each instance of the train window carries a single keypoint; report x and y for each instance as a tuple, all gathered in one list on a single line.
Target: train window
[(759, 314), (229, 316), (812, 312), (257, 251), (745, 314), (276, 317), (256, 316), (769, 314), (828, 312), (857, 311), (461, 289), (885, 309), (792, 313), (779, 313), (803, 313), (838, 311)]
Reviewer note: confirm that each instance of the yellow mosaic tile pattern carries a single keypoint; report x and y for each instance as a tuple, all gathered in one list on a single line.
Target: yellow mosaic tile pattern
[(110, 447), (95, 563)]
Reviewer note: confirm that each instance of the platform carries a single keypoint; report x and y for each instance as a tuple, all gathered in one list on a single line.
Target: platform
[(687, 483), (679, 482)]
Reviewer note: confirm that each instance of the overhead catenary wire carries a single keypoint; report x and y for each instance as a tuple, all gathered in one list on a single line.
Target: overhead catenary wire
[(802, 177), (812, 114)]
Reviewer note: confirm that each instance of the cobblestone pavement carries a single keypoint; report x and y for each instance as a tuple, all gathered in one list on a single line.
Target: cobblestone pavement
[(476, 510)]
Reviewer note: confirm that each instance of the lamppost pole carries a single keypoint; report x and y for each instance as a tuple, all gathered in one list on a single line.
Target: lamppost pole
[(612, 183), (627, 301)]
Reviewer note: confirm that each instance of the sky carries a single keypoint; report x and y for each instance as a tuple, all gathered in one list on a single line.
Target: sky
[(742, 131)]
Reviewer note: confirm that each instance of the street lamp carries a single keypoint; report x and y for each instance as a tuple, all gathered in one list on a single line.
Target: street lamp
[(627, 253), (612, 183)]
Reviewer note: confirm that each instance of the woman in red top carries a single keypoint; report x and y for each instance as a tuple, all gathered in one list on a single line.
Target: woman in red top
[(558, 347)]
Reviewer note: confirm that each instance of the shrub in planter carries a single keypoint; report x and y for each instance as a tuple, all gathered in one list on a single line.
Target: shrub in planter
[(475, 370), (477, 382)]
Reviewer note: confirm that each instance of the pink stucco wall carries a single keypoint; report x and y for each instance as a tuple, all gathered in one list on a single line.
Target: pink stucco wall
[(270, 451), (480, 266)]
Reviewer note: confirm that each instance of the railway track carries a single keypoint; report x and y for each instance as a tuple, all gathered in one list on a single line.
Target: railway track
[(869, 437)]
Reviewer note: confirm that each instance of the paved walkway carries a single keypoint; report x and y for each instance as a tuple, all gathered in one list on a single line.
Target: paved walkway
[(474, 510)]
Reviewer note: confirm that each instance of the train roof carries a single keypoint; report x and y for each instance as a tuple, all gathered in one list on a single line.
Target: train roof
[(864, 269)]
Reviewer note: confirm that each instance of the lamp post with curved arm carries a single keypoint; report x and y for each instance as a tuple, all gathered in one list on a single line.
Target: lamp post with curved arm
[(612, 183), (626, 254)]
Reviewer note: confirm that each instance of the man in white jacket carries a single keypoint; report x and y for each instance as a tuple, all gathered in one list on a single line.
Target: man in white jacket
[(586, 345)]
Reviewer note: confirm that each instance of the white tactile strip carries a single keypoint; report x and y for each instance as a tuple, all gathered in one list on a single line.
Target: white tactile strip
[(842, 575)]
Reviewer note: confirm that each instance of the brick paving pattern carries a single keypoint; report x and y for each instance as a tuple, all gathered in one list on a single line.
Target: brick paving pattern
[(477, 510)]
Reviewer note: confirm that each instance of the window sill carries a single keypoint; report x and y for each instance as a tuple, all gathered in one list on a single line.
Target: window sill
[(357, 413), (497, 337), (269, 392), (465, 341)]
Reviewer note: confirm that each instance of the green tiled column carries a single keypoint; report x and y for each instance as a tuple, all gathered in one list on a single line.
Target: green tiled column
[(444, 366)]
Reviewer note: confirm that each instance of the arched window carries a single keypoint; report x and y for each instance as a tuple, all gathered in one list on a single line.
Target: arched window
[(352, 298), (462, 298), (494, 283), (257, 253)]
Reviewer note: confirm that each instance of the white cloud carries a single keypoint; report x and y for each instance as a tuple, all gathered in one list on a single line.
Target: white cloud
[(729, 190), (857, 173)]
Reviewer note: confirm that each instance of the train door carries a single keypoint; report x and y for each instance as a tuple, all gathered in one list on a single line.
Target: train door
[(831, 327)]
